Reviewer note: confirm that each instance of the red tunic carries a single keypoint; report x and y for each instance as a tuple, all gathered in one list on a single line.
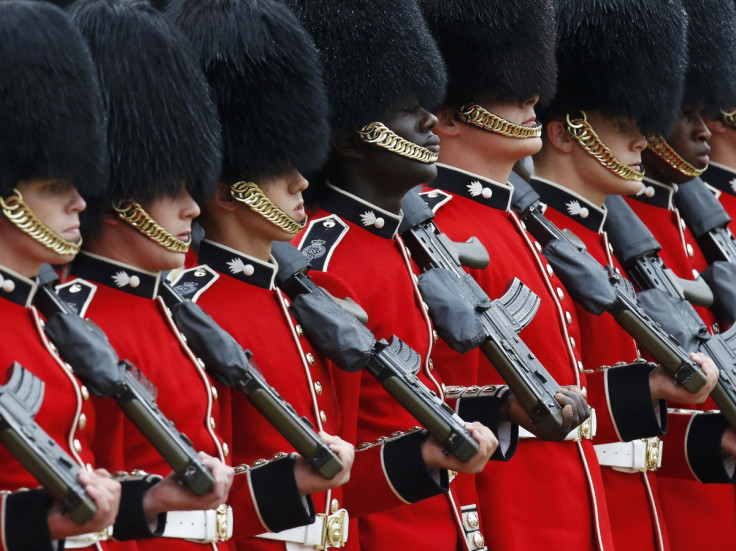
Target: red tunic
[(686, 501), (139, 328), (723, 179), (66, 413), (509, 492), (633, 504), (367, 254)]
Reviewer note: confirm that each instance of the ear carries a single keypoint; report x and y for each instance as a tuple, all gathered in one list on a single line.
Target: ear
[(348, 144), (557, 136), (447, 125), (716, 126), (110, 219), (222, 199)]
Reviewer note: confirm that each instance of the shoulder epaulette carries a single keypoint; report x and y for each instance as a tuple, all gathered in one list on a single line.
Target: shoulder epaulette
[(435, 198), (321, 239), (191, 283), (78, 294)]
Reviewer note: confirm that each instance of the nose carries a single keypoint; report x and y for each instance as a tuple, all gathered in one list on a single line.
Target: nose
[(428, 121), (298, 183), (701, 132), (640, 143), (76, 202), (189, 207)]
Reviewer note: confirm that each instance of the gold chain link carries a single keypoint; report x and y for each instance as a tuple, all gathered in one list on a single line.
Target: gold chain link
[(729, 117), (133, 213), (23, 218), (581, 130), (379, 134), (659, 146), (482, 118), (250, 194)]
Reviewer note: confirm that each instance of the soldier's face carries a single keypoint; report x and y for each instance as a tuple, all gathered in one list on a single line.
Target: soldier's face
[(175, 214), (622, 137), (285, 191), (690, 137), (520, 112)]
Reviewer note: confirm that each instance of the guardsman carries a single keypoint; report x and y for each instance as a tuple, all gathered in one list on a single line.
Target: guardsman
[(487, 124), (382, 70), (592, 113), (164, 146), (52, 149), (266, 80), (710, 30)]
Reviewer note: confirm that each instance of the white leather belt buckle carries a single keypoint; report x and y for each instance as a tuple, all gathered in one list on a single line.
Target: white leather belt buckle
[(631, 457), (326, 532), (87, 540), (207, 526), (585, 431)]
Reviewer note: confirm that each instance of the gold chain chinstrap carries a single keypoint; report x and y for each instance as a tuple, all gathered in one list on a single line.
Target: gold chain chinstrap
[(133, 213), (250, 194), (659, 146), (729, 117), (379, 134), (584, 134), (482, 118), (22, 217)]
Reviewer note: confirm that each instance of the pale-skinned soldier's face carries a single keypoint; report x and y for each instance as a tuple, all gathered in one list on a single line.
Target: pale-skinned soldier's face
[(284, 191), (175, 214), (57, 204), (622, 137), (520, 112)]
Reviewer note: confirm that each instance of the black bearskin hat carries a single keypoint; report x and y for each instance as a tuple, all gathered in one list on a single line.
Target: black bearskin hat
[(162, 124), (375, 53), (50, 104), (622, 57), (711, 72), (507, 48), (266, 79)]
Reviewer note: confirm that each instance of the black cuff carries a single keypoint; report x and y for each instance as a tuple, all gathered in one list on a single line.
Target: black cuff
[(406, 470), (26, 521), (704, 447), (277, 496), (631, 402), (487, 410), (131, 523)]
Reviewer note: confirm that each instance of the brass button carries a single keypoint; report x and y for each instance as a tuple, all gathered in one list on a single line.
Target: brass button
[(89, 467), (310, 358), (286, 303), (75, 288), (200, 272), (560, 293), (610, 248), (82, 421), (334, 506), (696, 274), (318, 388), (200, 361), (473, 520), (580, 366), (323, 416), (425, 306), (414, 278), (225, 449), (572, 342), (568, 317), (435, 336), (85, 393), (617, 271), (538, 246), (550, 271), (430, 363), (329, 223), (682, 224), (299, 331), (478, 539), (77, 445), (690, 250), (212, 422), (215, 395)]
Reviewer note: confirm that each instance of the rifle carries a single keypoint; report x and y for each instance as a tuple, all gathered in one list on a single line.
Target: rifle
[(709, 221), (491, 325), (636, 248), (340, 336), (228, 363), (84, 346), (20, 400), (600, 289)]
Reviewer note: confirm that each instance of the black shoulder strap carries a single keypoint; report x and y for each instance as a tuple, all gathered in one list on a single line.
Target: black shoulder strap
[(321, 239), (191, 283), (78, 294)]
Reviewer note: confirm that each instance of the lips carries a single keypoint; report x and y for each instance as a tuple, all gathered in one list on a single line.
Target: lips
[(433, 144)]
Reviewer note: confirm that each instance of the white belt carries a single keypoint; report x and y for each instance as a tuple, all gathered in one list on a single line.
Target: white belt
[(324, 533), (87, 540), (585, 431), (631, 457), (207, 526)]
